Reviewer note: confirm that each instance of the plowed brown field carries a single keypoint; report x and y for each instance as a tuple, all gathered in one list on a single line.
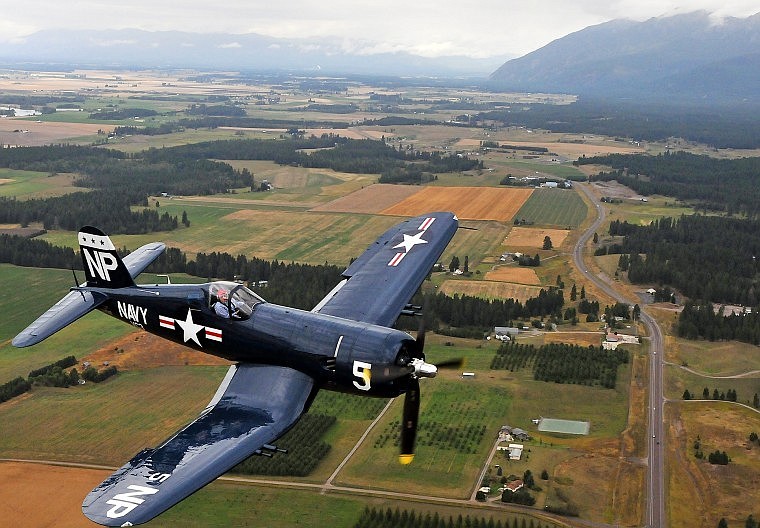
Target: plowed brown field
[(41, 495), (468, 203), (534, 237)]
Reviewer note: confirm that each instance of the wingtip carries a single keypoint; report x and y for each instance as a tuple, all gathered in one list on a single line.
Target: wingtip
[(405, 459)]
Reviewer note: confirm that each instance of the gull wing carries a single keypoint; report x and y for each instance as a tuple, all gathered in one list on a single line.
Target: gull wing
[(254, 405), (377, 285)]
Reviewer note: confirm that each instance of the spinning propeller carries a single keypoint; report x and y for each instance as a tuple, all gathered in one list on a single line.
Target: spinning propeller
[(417, 368)]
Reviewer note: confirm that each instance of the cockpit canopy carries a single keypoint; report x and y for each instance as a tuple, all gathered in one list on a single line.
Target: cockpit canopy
[(231, 300)]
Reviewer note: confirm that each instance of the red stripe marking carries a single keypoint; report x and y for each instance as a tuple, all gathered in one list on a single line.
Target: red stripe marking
[(427, 223), (214, 334), (395, 260)]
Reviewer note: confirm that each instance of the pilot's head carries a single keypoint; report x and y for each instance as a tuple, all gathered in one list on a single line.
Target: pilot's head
[(223, 295)]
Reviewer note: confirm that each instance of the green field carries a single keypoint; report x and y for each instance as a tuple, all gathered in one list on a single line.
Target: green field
[(724, 358), (31, 184), (492, 398), (557, 207), (565, 171)]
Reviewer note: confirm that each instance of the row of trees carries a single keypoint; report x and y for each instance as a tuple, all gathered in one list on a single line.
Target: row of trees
[(301, 285), (379, 518), (462, 438), (562, 363), (729, 395)]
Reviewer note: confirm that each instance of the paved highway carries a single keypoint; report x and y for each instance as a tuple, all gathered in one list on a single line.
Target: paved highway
[(655, 510)]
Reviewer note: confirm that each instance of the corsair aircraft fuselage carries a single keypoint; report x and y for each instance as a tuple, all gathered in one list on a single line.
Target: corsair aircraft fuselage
[(334, 351)]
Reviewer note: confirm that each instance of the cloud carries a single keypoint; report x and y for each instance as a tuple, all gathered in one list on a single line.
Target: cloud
[(428, 27)]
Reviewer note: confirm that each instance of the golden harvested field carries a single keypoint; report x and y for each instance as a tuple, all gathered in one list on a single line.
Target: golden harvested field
[(468, 203), (574, 338), (37, 134), (42, 495), (517, 274), (373, 199), (534, 237), (490, 289)]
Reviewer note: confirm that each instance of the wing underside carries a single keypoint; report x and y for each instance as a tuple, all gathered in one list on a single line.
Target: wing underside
[(255, 405), (378, 284)]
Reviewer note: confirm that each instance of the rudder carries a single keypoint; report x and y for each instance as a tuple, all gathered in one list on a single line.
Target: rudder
[(102, 265)]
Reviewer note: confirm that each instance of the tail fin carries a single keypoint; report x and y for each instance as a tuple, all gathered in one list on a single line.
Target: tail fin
[(102, 265)]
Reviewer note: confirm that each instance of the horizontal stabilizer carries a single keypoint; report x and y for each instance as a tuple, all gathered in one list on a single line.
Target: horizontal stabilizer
[(73, 306)]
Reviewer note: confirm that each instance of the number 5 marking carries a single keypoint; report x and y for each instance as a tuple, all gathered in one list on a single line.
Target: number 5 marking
[(363, 372)]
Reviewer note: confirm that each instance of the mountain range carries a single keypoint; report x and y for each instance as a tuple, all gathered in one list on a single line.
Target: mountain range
[(133, 48), (686, 57), (690, 57)]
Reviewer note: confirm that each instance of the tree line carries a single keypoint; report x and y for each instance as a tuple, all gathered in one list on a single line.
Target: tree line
[(713, 184), (699, 319), (302, 285), (705, 257), (730, 127), (379, 518)]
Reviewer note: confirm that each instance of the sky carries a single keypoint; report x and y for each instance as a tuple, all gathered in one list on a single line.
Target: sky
[(431, 28)]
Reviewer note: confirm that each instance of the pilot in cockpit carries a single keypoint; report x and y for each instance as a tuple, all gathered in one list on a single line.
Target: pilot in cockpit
[(226, 296), (222, 306)]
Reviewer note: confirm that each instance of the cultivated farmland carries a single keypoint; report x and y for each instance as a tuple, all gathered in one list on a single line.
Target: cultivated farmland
[(534, 237), (490, 289), (554, 207), (468, 203)]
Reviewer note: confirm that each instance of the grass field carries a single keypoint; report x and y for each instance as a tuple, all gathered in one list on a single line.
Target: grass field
[(727, 358), (29, 184), (557, 207), (692, 483)]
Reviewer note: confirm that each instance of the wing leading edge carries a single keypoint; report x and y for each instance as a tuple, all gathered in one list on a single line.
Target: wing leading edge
[(255, 405), (378, 284)]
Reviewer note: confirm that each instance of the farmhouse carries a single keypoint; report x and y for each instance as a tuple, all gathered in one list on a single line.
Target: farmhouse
[(514, 485), (505, 333)]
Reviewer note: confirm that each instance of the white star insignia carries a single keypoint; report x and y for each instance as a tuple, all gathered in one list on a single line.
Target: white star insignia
[(190, 328), (411, 241)]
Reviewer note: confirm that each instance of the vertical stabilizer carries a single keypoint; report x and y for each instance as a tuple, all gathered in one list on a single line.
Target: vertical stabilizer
[(102, 265)]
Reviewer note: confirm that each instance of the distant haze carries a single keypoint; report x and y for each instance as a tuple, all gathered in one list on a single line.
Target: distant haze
[(425, 28)]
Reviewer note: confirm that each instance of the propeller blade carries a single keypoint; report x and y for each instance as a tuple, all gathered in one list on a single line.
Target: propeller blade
[(419, 342), (455, 363), (409, 421)]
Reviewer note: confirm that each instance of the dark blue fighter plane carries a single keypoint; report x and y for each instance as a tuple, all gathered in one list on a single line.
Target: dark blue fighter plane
[(283, 355)]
